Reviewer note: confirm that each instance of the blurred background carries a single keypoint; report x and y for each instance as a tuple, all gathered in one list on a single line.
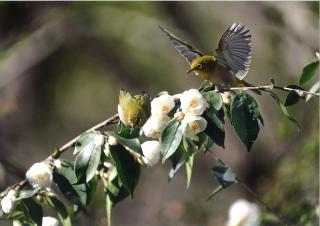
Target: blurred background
[(62, 65)]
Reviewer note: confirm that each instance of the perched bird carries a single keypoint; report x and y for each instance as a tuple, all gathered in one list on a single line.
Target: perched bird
[(228, 66), (134, 110)]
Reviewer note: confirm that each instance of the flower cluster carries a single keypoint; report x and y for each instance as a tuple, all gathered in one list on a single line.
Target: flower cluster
[(192, 107)]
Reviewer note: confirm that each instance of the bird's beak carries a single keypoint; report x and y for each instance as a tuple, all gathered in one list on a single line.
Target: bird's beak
[(192, 69)]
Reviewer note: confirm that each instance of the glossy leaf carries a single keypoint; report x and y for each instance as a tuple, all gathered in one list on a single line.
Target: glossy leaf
[(283, 108), (174, 170), (206, 86), (170, 139), (24, 194), (308, 72), (128, 169), (245, 118), (213, 99), (128, 132), (293, 97), (215, 127), (314, 89), (133, 144), (87, 161), (224, 175), (63, 214), (34, 209)]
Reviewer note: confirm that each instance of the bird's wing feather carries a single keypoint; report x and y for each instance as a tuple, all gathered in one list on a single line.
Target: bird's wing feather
[(234, 50), (186, 50)]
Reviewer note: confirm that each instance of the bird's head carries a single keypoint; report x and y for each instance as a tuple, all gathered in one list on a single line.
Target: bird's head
[(202, 64)]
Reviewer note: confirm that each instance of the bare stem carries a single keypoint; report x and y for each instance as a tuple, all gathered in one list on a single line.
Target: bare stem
[(270, 87), (249, 190)]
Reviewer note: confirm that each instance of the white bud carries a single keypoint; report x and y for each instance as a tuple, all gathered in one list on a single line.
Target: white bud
[(151, 152), (179, 115), (244, 213), (162, 105), (318, 55), (57, 163), (192, 125), (99, 140), (50, 221), (40, 176), (154, 125), (8, 202), (193, 103), (112, 141), (106, 149), (227, 97)]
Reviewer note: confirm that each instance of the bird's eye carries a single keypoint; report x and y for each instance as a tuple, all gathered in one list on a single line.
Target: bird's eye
[(199, 66)]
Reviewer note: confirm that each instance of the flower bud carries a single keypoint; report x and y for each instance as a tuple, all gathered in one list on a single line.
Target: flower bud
[(227, 97), (192, 125), (154, 125), (50, 221), (112, 141), (40, 176), (99, 140), (162, 105), (179, 115), (193, 103), (243, 213), (57, 163), (8, 202), (151, 152)]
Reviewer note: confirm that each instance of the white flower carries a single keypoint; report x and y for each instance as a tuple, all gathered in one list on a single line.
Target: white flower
[(192, 125), (154, 125), (244, 213), (112, 141), (40, 176), (99, 140), (193, 103), (227, 97), (162, 105), (50, 221), (8, 202), (57, 163), (151, 152)]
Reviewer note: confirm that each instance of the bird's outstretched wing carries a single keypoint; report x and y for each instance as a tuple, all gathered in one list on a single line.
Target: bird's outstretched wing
[(234, 50), (186, 50)]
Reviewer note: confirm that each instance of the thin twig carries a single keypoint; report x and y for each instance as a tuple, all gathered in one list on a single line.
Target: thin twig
[(270, 87), (250, 191), (112, 120)]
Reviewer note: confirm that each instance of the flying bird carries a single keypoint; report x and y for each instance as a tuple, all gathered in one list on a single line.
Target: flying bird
[(230, 63)]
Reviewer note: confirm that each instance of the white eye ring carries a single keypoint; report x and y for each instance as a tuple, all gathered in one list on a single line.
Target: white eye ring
[(199, 66)]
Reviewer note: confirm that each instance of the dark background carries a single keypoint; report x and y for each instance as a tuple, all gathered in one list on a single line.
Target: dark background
[(62, 65)]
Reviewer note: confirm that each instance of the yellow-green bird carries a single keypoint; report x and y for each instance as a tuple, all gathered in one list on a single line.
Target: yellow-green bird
[(228, 66), (134, 110)]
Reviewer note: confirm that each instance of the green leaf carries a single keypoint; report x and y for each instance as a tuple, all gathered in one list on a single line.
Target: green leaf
[(308, 72), (315, 88), (224, 175), (87, 161), (170, 139), (63, 214), (174, 170), (214, 192), (214, 99), (109, 205), (206, 86), (128, 132), (67, 170), (128, 169), (176, 157), (283, 108), (245, 118), (293, 97), (189, 166), (24, 194), (215, 126), (133, 144), (34, 209)]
